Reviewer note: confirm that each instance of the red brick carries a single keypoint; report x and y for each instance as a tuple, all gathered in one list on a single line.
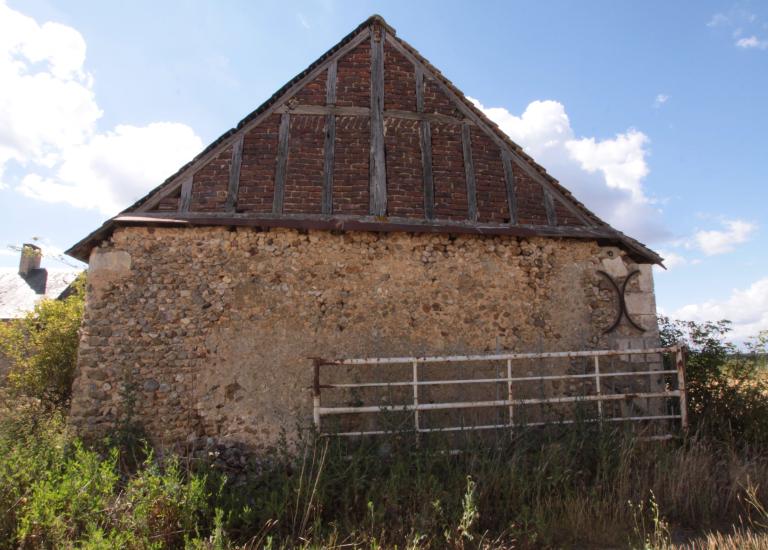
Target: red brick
[(210, 184), (492, 204), (350, 168), (257, 171), (405, 181), (304, 170), (448, 172), (399, 81), (353, 77)]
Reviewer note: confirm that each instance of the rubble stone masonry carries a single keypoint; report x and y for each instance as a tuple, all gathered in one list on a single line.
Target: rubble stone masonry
[(209, 332)]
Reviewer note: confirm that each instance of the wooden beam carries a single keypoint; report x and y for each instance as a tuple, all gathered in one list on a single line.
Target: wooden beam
[(282, 160), (351, 222), (378, 169), (425, 133), (509, 183), (330, 83), (419, 72), (321, 110), (186, 194), (549, 207), (469, 172), (234, 174), (330, 142)]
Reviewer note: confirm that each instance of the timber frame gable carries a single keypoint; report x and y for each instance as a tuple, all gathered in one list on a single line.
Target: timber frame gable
[(338, 121)]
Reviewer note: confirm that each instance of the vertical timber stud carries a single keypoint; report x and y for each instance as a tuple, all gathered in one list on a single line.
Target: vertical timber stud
[(469, 171), (282, 159), (598, 389), (549, 207), (330, 141), (416, 397), (426, 149), (186, 195), (378, 170), (509, 181), (234, 174), (680, 364)]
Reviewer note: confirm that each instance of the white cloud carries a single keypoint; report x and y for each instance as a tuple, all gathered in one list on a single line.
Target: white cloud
[(752, 42), (607, 175), (747, 309), (303, 20), (104, 173), (48, 124), (660, 100), (719, 242)]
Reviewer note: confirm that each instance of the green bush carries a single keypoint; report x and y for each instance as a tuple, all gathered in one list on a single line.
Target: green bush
[(727, 388), (42, 348)]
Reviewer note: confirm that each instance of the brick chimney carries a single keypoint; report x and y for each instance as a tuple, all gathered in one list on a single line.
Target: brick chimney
[(30, 259)]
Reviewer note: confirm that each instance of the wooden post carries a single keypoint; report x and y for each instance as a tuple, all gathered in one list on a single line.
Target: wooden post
[(330, 141), (416, 396), (598, 389), (510, 394), (509, 182), (186, 195), (234, 174), (469, 172), (425, 133), (680, 362), (549, 206), (282, 159), (378, 169)]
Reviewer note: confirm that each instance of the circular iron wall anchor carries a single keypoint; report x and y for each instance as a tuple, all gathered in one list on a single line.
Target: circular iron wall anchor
[(622, 303)]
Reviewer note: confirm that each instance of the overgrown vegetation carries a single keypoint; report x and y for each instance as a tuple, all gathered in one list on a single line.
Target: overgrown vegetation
[(42, 349), (584, 486)]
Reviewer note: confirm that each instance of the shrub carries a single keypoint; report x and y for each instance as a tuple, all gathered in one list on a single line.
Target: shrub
[(727, 389)]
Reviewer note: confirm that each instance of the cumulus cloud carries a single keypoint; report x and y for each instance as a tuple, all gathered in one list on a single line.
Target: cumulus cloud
[(48, 124), (746, 308), (752, 42), (606, 174), (719, 242)]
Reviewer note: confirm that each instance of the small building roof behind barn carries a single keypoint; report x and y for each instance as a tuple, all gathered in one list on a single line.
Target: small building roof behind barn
[(21, 288), (370, 137)]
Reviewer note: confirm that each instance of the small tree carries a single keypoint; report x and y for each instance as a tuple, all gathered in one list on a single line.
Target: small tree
[(42, 349)]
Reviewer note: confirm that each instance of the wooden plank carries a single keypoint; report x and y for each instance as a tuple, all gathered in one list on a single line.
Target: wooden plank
[(282, 160), (330, 140), (469, 172), (425, 134), (330, 83), (509, 183), (419, 72), (426, 168), (322, 110), (234, 174), (186, 194), (328, 159), (349, 222), (378, 169), (172, 186), (365, 112), (549, 207)]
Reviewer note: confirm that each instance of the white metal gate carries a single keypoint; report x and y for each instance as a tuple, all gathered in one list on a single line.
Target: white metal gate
[(666, 364)]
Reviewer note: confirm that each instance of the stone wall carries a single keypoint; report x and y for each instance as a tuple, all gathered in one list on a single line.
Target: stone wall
[(208, 332)]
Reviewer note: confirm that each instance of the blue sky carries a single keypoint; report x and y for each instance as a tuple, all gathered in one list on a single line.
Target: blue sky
[(653, 113)]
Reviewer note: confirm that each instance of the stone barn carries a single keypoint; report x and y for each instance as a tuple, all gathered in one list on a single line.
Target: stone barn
[(366, 209)]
